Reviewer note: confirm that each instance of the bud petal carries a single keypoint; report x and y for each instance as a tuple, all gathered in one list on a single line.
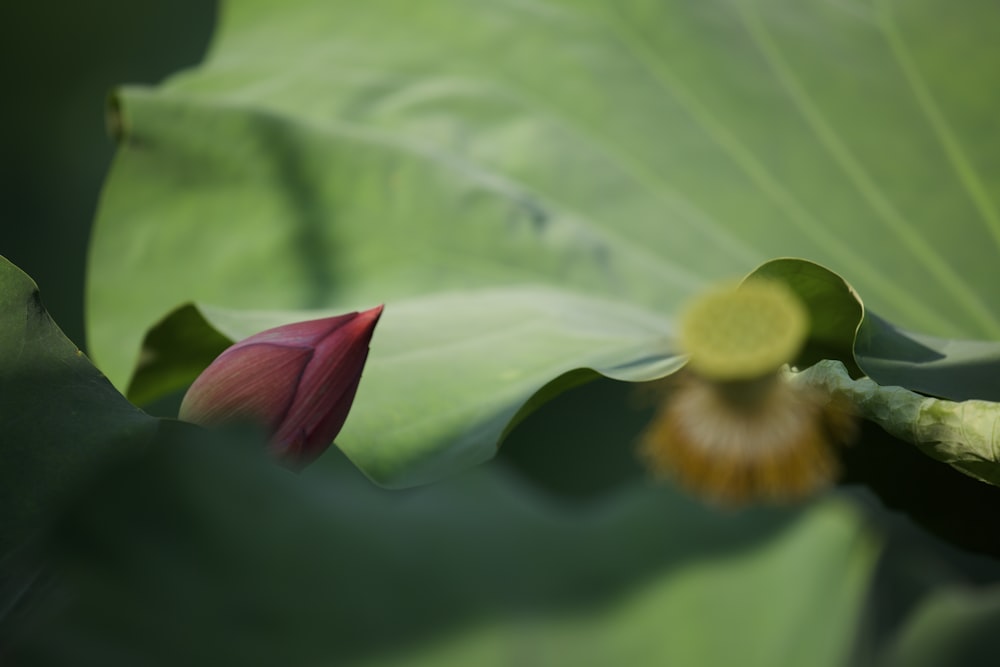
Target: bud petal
[(298, 381)]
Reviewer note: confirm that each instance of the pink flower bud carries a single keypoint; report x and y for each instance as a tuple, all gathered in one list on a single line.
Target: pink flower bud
[(297, 381)]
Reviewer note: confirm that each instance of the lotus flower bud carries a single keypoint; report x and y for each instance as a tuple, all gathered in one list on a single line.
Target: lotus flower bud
[(297, 381)]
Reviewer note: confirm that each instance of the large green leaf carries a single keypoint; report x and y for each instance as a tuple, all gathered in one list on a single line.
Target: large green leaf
[(578, 153), (202, 553), (957, 369), (60, 419)]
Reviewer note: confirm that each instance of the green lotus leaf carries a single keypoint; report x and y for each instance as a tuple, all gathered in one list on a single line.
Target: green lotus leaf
[(965, 434), (332, 156), (203, 552), (61, 418), (952, 627)]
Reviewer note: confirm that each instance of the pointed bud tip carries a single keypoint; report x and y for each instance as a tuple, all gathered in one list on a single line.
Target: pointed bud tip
[(297, 380), (372, 314)]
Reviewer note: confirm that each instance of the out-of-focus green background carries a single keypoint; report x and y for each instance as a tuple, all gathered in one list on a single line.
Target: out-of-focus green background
[(60, 61)]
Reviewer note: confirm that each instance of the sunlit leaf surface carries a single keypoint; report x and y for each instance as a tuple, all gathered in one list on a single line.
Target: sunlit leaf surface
[(340, 155)]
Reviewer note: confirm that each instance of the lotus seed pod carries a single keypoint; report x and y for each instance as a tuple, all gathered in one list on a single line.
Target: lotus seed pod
[(733, 429), (740, 332)]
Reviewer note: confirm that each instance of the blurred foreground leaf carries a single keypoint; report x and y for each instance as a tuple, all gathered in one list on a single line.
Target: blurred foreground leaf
[(60, 419), (196, 549), (205, 553), (953, 627)]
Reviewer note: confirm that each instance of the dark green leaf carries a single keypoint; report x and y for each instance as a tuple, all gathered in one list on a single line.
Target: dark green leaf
[(60, 419), (953, 627), (204, 553), (954, 369)]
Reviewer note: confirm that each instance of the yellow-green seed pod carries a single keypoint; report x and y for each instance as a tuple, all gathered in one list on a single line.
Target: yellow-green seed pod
[(741, 332)]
